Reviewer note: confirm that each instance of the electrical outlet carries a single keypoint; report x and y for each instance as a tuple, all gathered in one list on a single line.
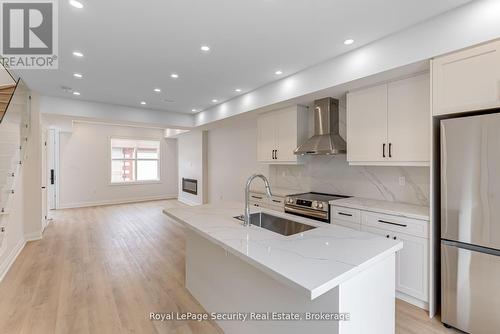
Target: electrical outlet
[(402, 181)]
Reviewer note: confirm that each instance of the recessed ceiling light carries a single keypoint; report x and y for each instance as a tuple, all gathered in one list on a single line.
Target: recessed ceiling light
[(215, 100), (348, 41), (237, 90), (77, 54), (157, 90), (174, 75), (205, 48), (278, 72), (143, 103), (76, 4), (78, 75), (193, 110), (76, 93)]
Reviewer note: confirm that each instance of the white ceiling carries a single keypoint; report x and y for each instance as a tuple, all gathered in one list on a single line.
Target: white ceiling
[(131, 47)]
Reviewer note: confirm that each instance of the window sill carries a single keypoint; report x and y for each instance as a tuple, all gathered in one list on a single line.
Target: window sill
[(134, 183)]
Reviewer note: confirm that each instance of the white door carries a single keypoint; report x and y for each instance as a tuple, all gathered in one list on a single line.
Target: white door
[(51, 170), (266, 141), (44, 180), (367, 124), (409, 119), (467, 80), (286, 134)]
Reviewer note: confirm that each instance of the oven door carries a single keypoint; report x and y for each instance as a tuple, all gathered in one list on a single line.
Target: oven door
[(323, 216)]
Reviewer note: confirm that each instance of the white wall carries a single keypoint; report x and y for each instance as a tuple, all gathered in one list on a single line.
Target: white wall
[(85, 166), (232, 158), (23, 221), (192, 165), (112, 113), (467, 25)]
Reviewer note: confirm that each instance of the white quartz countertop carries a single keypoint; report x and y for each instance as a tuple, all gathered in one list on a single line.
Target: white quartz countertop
[(280, 192), (391, 208), (314, 262)]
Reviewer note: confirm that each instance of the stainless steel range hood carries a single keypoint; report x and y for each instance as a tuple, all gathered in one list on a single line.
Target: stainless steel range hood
[(326, 139)]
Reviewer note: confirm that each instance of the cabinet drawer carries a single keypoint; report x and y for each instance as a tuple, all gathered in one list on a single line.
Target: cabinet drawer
[(256, 197), (415, 227), (276, 201), (257, 204), (277, 208), (345, 214), (354, 226)]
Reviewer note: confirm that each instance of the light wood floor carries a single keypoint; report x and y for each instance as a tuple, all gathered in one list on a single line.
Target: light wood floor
[(104, 269)]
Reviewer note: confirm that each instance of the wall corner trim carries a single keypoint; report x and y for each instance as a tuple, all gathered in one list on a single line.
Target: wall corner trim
[(11, 258)]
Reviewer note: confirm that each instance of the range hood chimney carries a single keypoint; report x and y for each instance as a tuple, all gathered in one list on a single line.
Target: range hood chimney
[(326, 139)]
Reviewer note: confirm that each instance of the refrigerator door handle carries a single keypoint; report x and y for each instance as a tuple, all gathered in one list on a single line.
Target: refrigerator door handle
[(474, 248)]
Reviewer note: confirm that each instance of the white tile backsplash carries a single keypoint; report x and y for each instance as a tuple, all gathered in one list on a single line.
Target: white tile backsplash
[(332, 174)]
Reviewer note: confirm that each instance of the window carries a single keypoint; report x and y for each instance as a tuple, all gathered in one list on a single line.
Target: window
[(134, 160)]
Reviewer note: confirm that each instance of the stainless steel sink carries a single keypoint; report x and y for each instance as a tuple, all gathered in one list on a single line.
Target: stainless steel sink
[(275, 224)]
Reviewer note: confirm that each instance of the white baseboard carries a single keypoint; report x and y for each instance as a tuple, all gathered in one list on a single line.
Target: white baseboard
[(187, 202), (33, 236), (9, 260), (119, 201), (412, 300)]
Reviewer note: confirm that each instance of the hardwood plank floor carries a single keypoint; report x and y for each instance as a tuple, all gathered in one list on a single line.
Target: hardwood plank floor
[(104, 269)]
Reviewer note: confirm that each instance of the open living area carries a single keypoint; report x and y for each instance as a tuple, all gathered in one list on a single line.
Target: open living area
[(270, 166)]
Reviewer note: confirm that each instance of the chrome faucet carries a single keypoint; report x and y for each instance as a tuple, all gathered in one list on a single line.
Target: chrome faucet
[(247, 195)]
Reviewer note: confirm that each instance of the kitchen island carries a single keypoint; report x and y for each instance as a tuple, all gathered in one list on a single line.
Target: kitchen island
[(300, 283)]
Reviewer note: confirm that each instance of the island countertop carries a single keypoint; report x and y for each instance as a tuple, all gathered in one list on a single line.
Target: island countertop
[(314, 262)]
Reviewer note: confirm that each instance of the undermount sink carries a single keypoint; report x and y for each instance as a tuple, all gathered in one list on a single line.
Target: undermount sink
[(276, 224)]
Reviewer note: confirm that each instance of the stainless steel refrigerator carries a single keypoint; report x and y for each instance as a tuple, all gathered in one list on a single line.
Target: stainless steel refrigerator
[(470, 223)]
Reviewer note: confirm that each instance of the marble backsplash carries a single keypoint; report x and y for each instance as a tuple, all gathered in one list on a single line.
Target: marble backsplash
[(332, 174)]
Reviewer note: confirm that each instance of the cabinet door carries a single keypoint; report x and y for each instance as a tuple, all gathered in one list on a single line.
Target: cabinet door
[(467, 80), (409, 119), (286, 134), (367, 124), (412, 267), (411, 263), (266, 137)]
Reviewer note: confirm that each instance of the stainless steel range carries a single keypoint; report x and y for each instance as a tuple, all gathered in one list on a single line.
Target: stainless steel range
[(311, 205)]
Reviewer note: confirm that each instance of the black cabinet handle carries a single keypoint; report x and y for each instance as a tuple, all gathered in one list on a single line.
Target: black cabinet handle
[(390, 150), (52, 176), (345, 214), (257, 197), (387, 236), (276, 201), (383, 150), (391, 223), (276, 154), (394, 238)]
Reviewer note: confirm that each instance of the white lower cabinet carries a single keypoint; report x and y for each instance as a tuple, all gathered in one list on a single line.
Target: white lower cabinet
[(412, 262), (276, 203)]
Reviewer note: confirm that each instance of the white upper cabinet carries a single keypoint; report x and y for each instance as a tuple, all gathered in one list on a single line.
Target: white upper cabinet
[(279, 133), (408, 119), (367, 124), (467, 80), (389, 124)]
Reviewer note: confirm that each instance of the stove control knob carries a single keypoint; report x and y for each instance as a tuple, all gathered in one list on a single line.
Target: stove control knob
[(315, 204), (320, 205)]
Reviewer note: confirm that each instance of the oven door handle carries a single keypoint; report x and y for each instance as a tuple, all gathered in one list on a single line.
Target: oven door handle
[(305, 211)]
